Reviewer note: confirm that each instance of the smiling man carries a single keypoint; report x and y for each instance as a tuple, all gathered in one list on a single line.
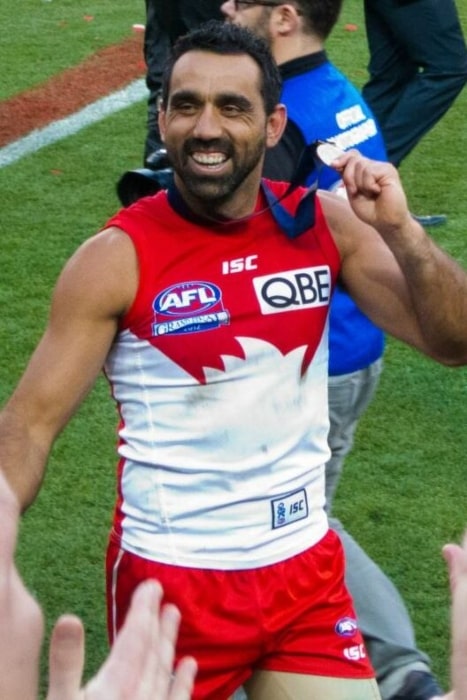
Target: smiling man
[(223, 149), (223, 407)]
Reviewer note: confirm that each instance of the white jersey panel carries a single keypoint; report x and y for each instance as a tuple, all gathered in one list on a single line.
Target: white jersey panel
[(225, 474)]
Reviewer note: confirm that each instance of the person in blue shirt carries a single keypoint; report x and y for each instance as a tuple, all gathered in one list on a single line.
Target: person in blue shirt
[(322, 104)]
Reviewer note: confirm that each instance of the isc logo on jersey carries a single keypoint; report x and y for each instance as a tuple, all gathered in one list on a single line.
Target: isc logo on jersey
[(294, 290), (189, 307)]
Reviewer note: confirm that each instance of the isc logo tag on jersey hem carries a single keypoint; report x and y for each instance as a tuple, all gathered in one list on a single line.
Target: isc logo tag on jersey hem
[(290, 508)]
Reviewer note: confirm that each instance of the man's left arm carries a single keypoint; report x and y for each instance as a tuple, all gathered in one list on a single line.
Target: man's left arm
[(400, 278)]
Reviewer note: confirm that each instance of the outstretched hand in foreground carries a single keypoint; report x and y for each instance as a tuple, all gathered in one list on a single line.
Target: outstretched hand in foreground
[(456, 557), (139, 665)]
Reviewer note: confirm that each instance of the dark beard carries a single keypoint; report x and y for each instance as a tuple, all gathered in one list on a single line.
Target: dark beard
[(212, 190)]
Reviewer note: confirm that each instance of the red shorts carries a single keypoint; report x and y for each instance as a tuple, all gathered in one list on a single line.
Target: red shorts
[(295, 616)]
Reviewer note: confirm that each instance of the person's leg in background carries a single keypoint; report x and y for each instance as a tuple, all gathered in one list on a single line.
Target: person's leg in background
[(418, 66), (383, 617), (390, 69), (166, 20), (156, 47), (349, 395)]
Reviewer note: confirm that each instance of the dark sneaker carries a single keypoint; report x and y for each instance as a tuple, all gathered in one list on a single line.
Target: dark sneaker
[(431, 220), (419, 685)]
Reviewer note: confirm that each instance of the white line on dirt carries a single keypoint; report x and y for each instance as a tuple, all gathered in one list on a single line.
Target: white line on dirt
[(60, 129)]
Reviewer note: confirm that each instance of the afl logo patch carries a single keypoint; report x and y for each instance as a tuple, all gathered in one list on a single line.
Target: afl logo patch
[(189, 307), (346, 627)]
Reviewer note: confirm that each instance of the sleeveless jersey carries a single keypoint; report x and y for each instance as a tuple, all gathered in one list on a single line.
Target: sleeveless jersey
[(219, 371)]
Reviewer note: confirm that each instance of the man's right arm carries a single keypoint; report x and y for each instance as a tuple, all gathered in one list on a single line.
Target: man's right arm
[(96, 287)]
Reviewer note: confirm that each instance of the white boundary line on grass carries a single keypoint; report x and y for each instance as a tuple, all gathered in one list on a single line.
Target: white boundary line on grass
[(60, 129)]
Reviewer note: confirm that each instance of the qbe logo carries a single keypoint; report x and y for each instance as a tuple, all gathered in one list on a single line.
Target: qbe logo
[(294, 290)]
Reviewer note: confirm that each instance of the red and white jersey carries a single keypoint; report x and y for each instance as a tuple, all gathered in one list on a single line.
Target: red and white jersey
[(219, 371)]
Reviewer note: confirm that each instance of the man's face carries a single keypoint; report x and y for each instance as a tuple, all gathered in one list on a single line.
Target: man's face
[(215, 125), (253, 17)]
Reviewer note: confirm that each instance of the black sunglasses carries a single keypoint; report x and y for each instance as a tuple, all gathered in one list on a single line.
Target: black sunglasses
[(265, 3)]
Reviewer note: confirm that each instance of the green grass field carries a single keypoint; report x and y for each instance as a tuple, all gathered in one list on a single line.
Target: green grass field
[(404, 490)]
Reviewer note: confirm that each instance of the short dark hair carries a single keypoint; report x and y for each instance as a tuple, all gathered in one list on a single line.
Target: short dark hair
[(228, 39), (320, 16)]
